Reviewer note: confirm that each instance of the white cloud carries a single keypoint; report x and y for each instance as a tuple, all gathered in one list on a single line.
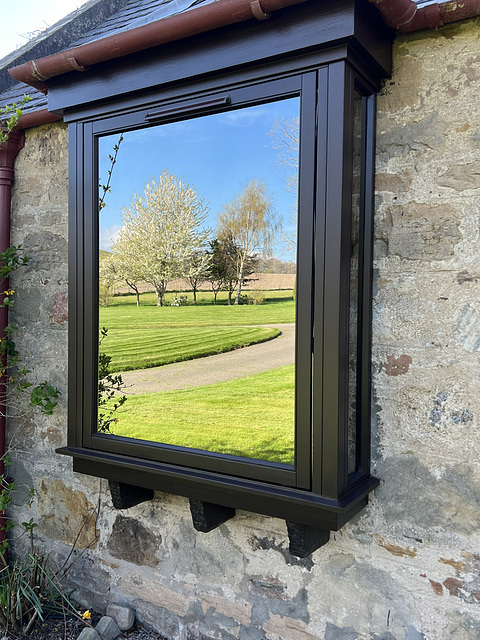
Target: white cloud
[(242, 117), (108, 235)]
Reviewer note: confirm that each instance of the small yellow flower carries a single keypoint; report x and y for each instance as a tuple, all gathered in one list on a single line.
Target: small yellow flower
[(9, 292), (87, 615)]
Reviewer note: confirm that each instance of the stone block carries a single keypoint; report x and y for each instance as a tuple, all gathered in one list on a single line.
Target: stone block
[(59, 311), (124, 616), (94, 592), (152, 594), (287, 628), (133, 542), (461, 177), (467, 329), (65, 513), (88, 634), (403, 90), (108, 628), (422, 231), (394, 182), (399, 140)]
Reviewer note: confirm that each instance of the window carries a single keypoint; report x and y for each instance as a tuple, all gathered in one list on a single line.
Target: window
[(214, 153), (215, 132)]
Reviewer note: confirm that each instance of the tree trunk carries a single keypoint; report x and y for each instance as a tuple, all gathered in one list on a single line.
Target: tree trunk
[(134, 288), (194, 295), (239, 288), (214, 292)]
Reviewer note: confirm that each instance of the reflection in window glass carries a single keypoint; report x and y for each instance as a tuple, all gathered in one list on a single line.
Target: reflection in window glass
[(197, 233), (354, 291)]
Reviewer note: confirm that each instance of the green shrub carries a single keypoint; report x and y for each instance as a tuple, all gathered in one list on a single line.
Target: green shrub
[(105, 294), (179, 301), (256, 297)]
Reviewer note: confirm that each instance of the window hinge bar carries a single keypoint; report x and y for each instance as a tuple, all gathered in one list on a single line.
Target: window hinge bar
[(188, 107)]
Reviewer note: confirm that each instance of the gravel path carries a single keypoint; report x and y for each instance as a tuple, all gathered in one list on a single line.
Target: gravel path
[(219, 368)]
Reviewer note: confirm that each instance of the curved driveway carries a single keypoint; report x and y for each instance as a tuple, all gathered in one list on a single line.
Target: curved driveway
[(219, 368)]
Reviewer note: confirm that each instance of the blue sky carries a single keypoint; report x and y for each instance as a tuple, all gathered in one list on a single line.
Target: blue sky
[(217, 154), (21, 21)]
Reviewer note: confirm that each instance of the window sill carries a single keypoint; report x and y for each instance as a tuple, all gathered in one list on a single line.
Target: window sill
[(259, 497)]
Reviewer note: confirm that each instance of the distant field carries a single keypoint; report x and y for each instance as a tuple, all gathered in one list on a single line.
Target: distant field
[(260, 281), (279, 307)]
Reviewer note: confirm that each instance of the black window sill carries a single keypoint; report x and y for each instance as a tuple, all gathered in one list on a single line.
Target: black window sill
[(286, 503)]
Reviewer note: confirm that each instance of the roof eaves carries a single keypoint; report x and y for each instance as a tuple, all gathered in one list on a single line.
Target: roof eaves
[(206, 16)]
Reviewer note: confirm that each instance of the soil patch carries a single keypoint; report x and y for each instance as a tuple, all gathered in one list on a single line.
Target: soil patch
[(70, 629)]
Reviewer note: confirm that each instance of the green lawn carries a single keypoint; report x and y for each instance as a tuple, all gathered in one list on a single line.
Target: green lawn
[(149, 336), (251, 417), (278, 308)]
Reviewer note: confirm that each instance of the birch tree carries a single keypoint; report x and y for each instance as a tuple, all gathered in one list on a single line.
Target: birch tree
[(285, 137), (250, 223), (162, 229)]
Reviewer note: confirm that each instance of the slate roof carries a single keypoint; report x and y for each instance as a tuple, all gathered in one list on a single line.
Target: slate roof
[(137, 13), (14, 94)]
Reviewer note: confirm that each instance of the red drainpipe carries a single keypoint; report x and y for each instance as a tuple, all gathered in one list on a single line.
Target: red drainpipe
[(8, 153), (406, 16)]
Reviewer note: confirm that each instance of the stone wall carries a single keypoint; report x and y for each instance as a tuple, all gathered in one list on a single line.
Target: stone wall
[(406, 568)]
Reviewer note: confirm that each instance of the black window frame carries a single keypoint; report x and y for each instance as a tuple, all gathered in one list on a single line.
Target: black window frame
[(164, 113), (323, 494)]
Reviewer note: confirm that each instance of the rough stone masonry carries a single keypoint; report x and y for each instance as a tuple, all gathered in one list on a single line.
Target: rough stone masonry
[(406, 568)]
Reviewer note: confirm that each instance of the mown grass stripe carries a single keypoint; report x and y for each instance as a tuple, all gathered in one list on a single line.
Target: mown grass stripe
[(145, 348)]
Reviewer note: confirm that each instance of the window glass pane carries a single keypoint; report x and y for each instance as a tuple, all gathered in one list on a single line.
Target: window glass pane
[(197, 229)]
